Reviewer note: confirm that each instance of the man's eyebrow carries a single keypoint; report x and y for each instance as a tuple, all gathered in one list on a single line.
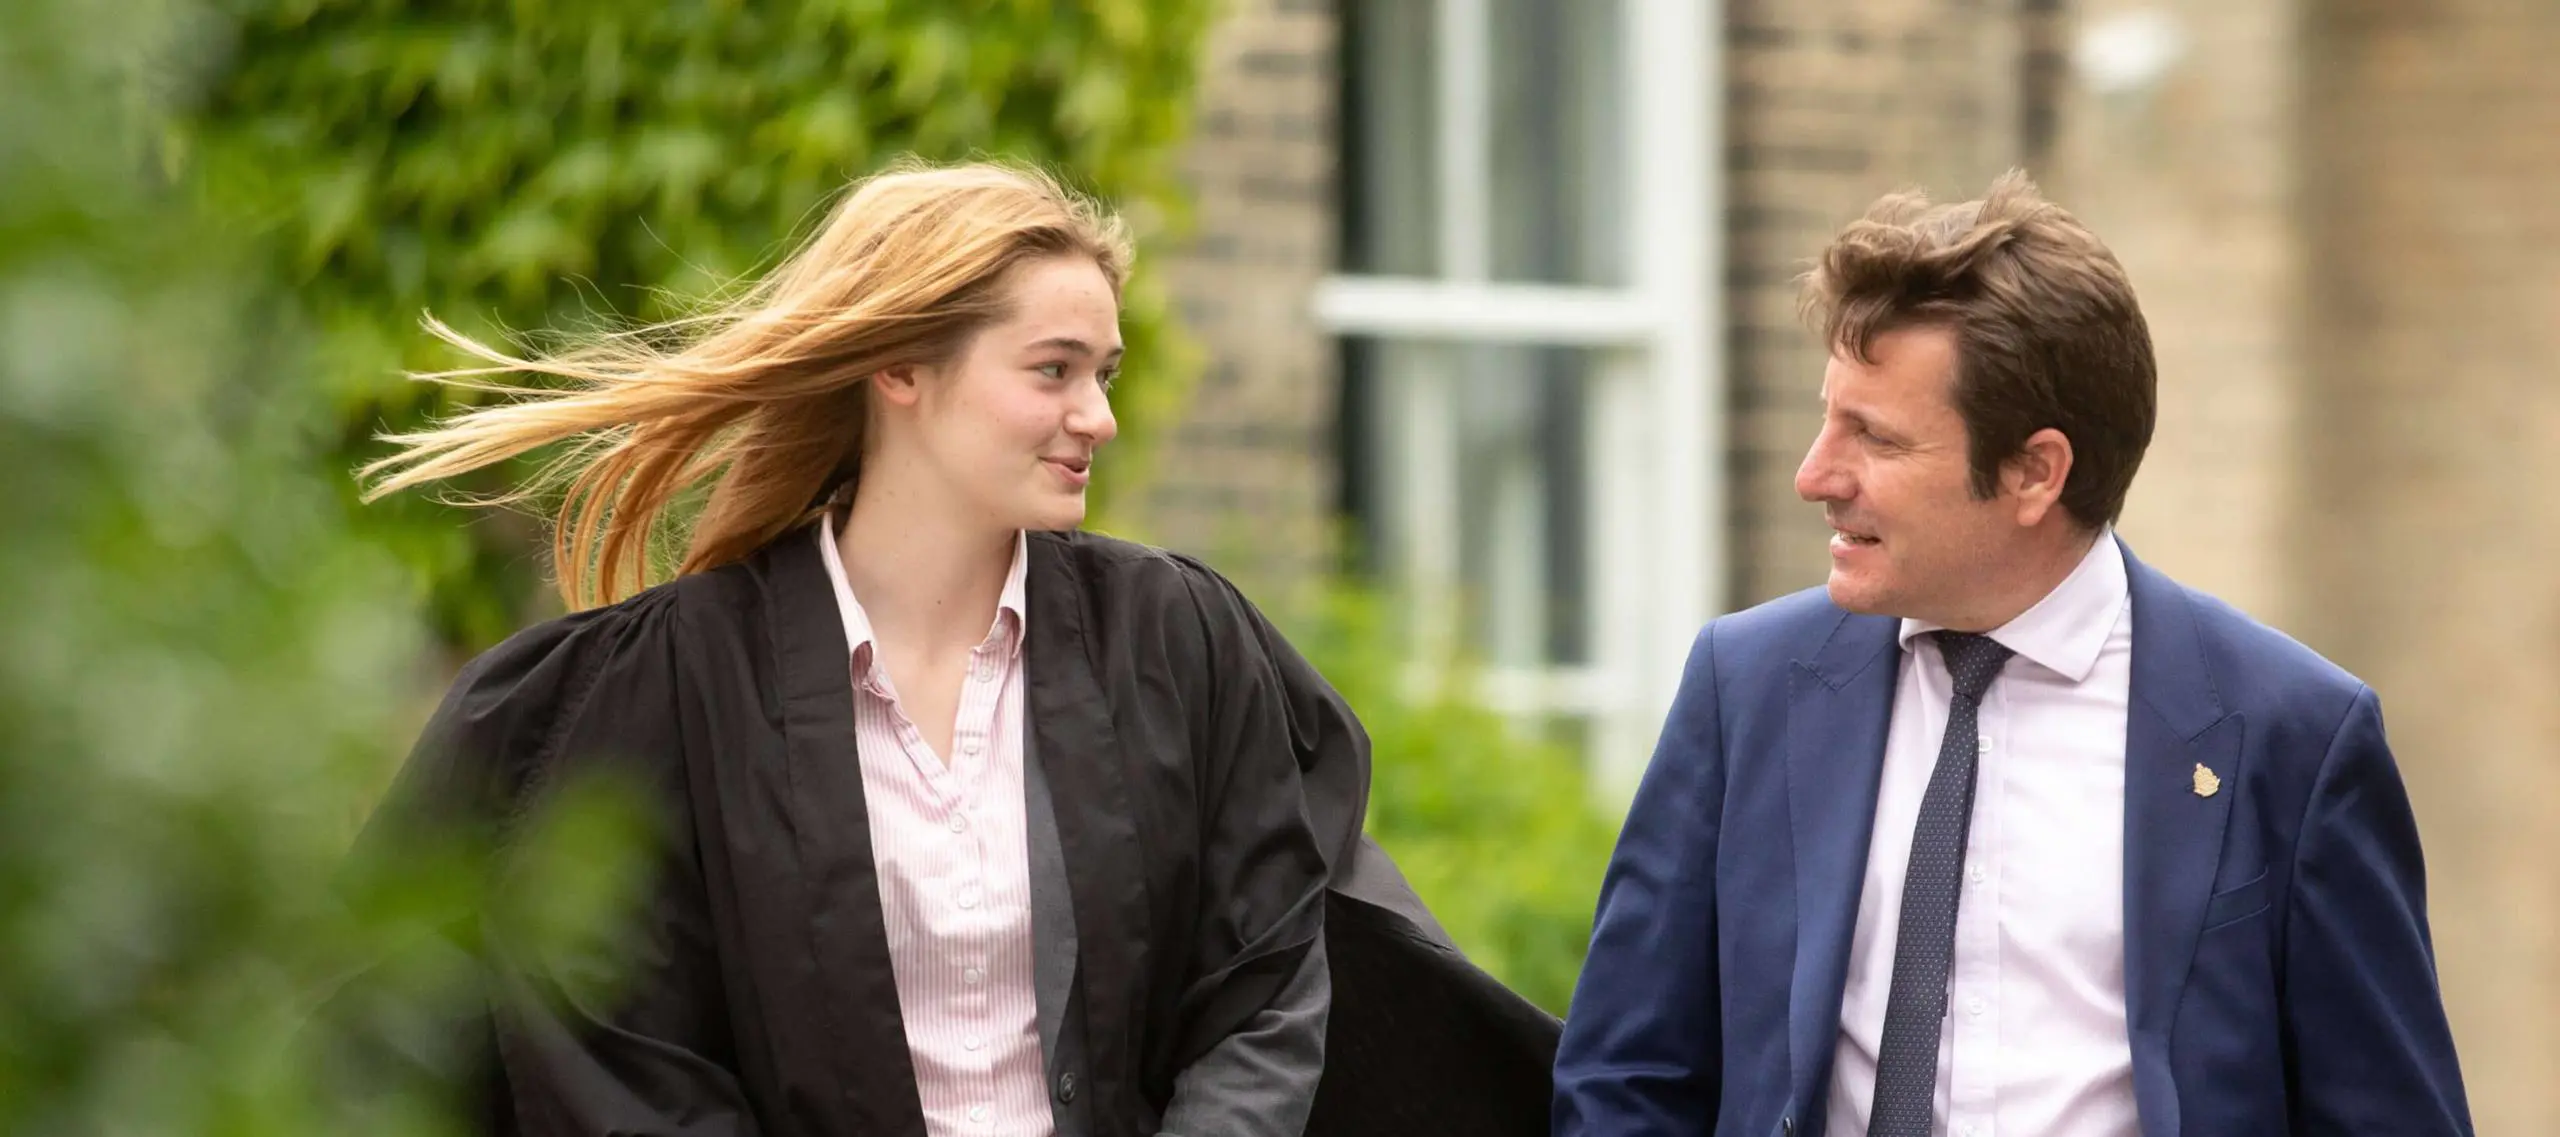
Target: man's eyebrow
[(1860, 420), (1070, 343)]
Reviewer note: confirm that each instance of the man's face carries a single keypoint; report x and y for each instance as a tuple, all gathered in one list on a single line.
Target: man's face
[(1890, 470)]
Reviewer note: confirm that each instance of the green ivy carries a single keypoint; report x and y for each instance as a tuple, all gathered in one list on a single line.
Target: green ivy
[(515, 165)]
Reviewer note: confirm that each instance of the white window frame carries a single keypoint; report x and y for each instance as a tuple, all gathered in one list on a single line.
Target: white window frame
[(1657, 526)]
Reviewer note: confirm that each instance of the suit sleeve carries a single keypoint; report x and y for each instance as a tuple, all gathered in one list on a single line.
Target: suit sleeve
[(1254, 1019), (1640, 1054), (614, 1030), (2368, 1049)]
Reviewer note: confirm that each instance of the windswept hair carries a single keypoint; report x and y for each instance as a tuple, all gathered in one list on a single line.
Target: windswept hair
[(2048, 333), (765, 393)]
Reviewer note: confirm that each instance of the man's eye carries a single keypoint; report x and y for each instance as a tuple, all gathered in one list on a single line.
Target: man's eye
[(1108, 377), (1053, 370)]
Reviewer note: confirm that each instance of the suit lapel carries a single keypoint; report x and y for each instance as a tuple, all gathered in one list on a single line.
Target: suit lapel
[(2174, 722), (1838, 706)]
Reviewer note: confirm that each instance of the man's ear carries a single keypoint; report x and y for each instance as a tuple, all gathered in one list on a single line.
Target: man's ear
[(2035, 475)]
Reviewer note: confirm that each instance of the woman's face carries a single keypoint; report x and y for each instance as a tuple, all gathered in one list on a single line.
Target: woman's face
[(1009, 427)]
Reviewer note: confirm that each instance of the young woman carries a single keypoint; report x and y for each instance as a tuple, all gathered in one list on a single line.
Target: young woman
[(972, 823)]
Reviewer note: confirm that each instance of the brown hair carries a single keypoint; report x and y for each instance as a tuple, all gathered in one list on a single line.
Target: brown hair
[(2048, 333), (765, 393)]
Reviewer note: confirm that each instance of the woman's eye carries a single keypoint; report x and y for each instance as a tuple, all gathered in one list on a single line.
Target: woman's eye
[(1053, 370), (1109, 377)]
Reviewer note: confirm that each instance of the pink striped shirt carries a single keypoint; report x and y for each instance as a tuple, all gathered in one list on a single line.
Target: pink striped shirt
[(954, 860)]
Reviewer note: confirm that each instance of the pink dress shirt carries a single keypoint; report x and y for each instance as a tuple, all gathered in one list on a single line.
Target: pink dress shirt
[(952, 849)]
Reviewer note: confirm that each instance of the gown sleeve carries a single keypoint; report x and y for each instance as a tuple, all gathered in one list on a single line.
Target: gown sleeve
[(1254, 1020), (620, 1030), (1418, 1038)]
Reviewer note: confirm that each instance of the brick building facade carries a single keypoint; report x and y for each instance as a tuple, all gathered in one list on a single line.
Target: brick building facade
[(2343, 220)]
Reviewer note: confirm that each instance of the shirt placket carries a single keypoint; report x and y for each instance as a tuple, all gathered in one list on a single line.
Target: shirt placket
[(947, 789), (971, 950), (970, 741), (1974, 989), (981, 688)]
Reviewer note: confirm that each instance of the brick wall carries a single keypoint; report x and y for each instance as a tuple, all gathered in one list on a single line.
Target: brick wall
[(2193, 183), (1247, 479), (2341, 218), (2428, 543)]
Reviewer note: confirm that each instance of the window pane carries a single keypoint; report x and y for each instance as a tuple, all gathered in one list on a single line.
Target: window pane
[(1553, 192), (1388, 180), (1473, 477), (1559, 144)]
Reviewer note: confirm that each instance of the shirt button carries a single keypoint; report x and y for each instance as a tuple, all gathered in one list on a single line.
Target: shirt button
[(973, 1042), (1964, 1131), (969, 898), (973, 977), (959, 824), (972, 746), (1974, 1007), (1983, 745), (979, 1113), (1975, 874)]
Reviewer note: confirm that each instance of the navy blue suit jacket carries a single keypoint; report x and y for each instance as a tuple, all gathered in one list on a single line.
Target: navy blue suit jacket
[(2278, 974)]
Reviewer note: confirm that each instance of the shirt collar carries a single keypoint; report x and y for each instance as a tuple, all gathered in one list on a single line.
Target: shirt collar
[(2064, 632), (858, 635)]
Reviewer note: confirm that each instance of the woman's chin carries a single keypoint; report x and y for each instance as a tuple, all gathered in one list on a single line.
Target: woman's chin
[(1059, 512)]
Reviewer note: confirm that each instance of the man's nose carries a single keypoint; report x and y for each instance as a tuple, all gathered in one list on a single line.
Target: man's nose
[(1819, 478)]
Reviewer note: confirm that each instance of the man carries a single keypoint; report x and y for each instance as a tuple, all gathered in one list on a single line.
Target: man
[(2004, 834)]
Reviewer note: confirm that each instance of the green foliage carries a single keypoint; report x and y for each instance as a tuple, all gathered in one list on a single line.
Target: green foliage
[(1496, 829), (556, 164), (201, 669)]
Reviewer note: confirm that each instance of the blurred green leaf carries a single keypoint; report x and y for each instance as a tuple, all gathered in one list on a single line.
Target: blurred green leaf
[(205, 675)]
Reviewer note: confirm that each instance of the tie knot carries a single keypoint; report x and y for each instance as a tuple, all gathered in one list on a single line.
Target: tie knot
[(1973, 660)]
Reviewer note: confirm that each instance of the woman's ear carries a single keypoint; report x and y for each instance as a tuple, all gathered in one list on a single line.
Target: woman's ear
[(901, 385)]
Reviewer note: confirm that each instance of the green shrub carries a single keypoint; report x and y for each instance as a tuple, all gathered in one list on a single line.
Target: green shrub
[(1495, 827), (202, 671)]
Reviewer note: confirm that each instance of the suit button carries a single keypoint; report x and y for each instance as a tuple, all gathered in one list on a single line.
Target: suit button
[(1787, 1126), (1066, 1089)]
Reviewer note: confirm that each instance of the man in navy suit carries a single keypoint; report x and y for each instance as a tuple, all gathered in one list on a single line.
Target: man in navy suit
[(2004, 834)]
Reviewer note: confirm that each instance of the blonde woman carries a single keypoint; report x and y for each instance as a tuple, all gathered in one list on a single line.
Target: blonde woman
[(971, 823)]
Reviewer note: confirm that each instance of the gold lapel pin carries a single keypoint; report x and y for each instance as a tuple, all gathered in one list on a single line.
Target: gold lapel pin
[(2207, 782)]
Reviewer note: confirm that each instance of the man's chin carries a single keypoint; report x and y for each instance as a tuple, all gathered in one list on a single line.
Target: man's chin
[(1858, 595)]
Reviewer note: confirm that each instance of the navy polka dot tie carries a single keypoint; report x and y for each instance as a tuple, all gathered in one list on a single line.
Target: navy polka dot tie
[(1907, 1060)]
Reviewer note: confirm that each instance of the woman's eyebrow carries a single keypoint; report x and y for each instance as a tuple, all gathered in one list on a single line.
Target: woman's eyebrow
[(1070, 343)]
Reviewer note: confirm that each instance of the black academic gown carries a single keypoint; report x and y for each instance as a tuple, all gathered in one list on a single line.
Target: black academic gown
[(1208, 790)]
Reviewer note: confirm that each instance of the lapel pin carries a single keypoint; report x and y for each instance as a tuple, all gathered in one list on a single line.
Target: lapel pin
[(2207, 782)]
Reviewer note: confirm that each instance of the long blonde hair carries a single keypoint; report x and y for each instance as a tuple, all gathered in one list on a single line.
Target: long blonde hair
[(766, 392)]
